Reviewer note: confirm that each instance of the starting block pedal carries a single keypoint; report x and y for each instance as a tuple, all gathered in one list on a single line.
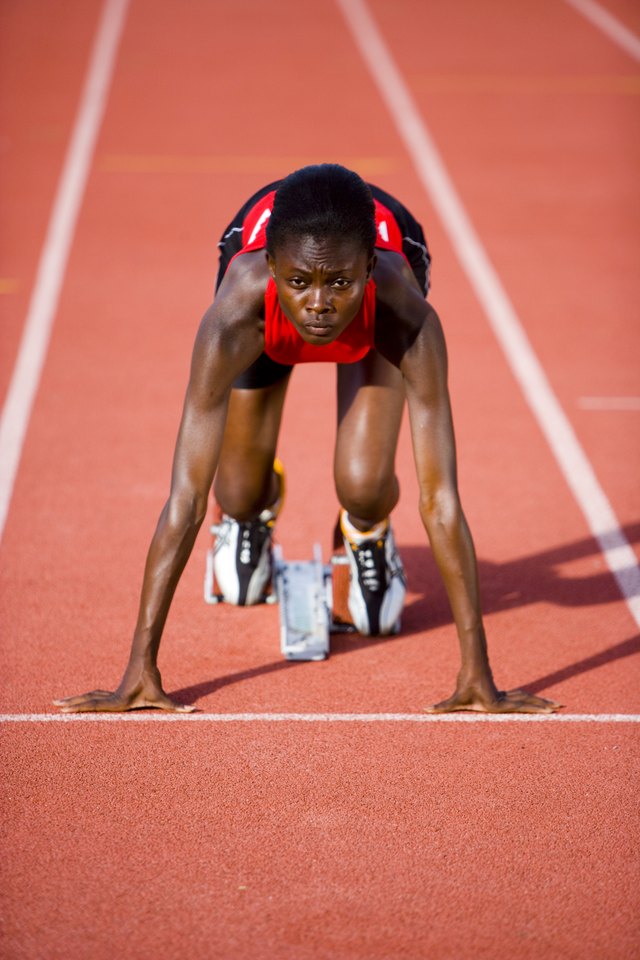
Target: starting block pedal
[(303, 591)]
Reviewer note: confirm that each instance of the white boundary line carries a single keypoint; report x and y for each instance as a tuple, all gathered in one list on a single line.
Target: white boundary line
[(158, 717), (55, 252), (609, 24), (499, 310)]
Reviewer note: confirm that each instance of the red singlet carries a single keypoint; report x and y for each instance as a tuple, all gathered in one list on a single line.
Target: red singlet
[(282, 342)]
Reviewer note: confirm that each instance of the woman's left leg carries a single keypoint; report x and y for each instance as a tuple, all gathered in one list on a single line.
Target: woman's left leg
[(370, 404)]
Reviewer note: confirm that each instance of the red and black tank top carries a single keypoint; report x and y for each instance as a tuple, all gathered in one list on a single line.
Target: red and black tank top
[(282, 342)]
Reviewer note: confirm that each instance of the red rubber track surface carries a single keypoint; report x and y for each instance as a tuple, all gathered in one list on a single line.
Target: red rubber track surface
[(294, 840)]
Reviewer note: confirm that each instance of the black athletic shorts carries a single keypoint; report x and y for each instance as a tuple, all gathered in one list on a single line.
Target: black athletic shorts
[(265, 371)]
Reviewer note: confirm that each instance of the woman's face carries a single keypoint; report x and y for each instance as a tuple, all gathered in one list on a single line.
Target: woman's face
[(320, 284)]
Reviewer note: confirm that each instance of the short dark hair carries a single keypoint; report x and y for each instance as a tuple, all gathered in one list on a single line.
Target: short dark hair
[(320, 201)]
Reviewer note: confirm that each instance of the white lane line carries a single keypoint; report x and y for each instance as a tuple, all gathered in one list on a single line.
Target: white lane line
[(55, 252), (319, 718), (609, 403), (506, 325), (609, 24)]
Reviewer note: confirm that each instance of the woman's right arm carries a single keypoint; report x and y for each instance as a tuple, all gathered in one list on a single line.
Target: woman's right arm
[(229, 339)]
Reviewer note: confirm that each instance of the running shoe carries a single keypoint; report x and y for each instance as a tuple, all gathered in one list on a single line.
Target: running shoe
[(377, 583), (242, 560)]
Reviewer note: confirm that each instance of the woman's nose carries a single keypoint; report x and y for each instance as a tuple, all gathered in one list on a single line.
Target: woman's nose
[(318, 301)]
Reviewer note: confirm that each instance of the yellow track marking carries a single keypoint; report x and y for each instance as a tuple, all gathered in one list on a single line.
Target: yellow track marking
[(213, 163), (624, 85)]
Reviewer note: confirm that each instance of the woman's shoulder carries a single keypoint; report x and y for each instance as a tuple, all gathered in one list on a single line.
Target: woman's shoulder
[(244, 282), (250, 268), (401, 309), (397, 290)]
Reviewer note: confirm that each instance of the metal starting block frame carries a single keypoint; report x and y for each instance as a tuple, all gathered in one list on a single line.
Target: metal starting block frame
[(304, 592), (303, 589)]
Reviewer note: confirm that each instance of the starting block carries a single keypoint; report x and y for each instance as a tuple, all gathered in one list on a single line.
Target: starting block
[(303, 590), (304, 593)]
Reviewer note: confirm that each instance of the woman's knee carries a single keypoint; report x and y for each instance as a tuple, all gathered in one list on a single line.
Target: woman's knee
[(367, 493)]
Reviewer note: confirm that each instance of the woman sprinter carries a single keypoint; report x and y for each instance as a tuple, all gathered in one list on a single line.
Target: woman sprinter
[(317, 267)]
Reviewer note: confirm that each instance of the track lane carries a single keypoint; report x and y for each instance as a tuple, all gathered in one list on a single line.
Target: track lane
[(37, 118), (338, 842), (603, 17), (43, 303), (409, 843), (556, 570), (533, 115)]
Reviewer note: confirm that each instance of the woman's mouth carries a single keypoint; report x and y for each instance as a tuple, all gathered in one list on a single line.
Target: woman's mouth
[(318, 329)]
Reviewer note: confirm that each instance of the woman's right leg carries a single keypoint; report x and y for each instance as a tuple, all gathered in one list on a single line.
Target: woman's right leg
[(245, 482), (248, 490)]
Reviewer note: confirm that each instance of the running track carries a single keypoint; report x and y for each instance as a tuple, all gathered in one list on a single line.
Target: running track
[(232, 834)]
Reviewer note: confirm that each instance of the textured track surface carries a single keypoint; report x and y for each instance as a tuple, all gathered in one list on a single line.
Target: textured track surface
[(294, 840)]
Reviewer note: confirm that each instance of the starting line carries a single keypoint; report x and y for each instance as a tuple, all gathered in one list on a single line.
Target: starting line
[(158, 717)]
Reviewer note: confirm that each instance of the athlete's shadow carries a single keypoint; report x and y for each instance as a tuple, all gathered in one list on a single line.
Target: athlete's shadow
[(527, 580), (516, 583)]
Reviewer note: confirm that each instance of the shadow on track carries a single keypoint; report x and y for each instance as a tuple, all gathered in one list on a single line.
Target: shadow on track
[(505, 586), (617, 652), (189, 695), (515, 583)]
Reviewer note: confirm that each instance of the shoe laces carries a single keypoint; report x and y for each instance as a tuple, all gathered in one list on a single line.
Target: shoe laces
[(371, 564), (251, 536)]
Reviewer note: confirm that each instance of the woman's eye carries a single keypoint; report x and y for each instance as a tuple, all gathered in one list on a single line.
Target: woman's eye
[(342, 283), (297, 282)]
